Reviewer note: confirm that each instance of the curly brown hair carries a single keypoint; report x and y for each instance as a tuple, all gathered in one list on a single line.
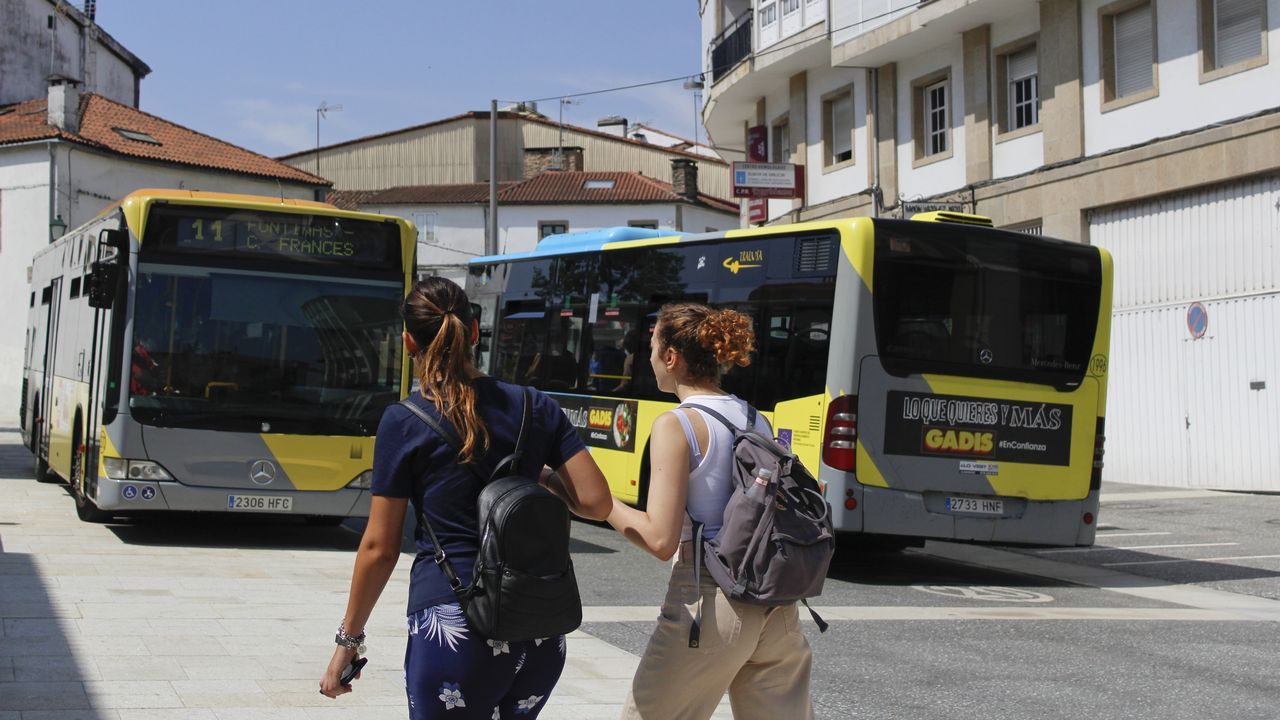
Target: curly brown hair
[(437, 314), (709, 340)]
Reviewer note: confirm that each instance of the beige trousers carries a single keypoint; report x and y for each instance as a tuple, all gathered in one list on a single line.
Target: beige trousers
[(758, 654)]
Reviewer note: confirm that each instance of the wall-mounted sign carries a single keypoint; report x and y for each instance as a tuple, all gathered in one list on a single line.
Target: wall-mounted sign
[(768, 180), (908, 208), (1197, 320)]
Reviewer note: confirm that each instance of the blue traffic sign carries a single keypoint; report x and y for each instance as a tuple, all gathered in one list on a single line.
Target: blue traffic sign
[(1197, 320)]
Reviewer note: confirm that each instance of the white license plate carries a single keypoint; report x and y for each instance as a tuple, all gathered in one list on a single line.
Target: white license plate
[(981, 506), (260, 503)]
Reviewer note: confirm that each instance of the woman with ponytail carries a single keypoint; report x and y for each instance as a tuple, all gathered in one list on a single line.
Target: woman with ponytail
[(756, 653), (450, 671)]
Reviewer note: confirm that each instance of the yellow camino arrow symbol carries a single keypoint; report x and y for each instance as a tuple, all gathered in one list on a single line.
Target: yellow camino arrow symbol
[(734, 266)]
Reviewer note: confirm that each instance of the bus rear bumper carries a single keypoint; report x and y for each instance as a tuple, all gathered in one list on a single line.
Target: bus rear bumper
[(902, 512), (126, 495)]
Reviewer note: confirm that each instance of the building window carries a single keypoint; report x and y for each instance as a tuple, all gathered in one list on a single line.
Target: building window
[(790, 6), (1233, 33), (552, 227), (646, 224), (1024, 96), (930, 118), (426, 224), (1128, 45), (780, 141), (1018, 86), (768, 14), (837, 128)]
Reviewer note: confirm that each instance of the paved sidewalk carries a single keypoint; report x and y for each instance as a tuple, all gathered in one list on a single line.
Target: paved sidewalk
[(206, 620)]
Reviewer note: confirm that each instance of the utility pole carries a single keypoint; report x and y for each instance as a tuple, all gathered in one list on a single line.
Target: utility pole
[(491, 237), (320, 112)]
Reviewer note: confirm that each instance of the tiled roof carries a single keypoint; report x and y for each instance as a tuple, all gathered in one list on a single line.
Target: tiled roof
[(100, 118), (349, 199), (571, 188), (435, 194), (548, 188)]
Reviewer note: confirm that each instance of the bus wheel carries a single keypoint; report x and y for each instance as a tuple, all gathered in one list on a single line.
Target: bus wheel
[(86, 510), (41, 466)]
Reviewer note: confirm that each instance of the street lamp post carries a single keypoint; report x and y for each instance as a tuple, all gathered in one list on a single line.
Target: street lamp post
[(320, 112), (695, 84)]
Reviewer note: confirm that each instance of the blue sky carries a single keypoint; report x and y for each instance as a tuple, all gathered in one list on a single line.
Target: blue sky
[(253, 72)]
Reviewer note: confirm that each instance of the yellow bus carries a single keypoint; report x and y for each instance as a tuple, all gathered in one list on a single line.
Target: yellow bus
[(941, 378), (212, 352)]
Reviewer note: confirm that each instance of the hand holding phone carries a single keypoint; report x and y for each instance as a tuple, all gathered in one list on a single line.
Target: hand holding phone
[(352, 669)]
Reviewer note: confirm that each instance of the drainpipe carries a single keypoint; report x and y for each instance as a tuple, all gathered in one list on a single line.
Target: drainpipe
[(53, 189), (875, 143)]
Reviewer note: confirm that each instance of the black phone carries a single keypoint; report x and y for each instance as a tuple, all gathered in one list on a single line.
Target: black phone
[(349, 673)]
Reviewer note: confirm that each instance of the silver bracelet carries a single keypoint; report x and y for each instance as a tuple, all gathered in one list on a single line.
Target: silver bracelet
[(349, 641)]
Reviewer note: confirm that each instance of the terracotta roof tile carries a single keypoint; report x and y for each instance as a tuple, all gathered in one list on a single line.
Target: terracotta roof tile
[(459, 194), (348, 199), (572, 188), (100, 117)]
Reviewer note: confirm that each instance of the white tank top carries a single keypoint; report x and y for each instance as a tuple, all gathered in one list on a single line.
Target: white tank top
[(710, 473)]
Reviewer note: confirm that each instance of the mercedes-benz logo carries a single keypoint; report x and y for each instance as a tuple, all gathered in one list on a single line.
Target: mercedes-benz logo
[(985, 356), (262, 472)]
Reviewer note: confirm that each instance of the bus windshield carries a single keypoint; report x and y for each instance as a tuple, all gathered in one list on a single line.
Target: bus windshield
[(981, 304), (250, 351)]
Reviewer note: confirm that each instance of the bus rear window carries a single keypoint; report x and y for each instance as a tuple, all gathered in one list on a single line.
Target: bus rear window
[(961, 301)]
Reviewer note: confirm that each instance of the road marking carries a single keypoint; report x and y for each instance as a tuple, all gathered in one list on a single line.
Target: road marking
[(1187, 560), (1099, 548), (1248, 607), (610, 614), (1159, 495), (1130, 534)]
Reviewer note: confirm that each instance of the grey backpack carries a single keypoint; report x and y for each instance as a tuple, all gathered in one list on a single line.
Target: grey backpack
[(776, 540)]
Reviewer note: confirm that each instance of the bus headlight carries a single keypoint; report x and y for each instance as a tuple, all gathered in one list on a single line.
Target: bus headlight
[(363, 481), (121, 469)]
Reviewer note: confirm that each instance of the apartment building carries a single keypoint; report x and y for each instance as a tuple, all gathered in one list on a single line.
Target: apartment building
[(1149, 127)]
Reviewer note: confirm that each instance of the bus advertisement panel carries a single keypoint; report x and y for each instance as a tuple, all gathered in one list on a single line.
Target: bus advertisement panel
[(199, 351), (942, 379)]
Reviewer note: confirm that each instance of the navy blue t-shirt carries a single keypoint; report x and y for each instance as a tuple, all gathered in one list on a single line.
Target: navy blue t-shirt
[(407, 450)]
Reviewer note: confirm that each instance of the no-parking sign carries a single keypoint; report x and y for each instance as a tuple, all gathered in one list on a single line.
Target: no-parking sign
[(1197, 320)]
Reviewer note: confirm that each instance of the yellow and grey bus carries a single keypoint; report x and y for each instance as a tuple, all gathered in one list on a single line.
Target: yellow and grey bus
[(211, 352), (941, 378)]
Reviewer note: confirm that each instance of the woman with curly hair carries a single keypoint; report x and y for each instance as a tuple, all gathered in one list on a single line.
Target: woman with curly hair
[(757, 653)]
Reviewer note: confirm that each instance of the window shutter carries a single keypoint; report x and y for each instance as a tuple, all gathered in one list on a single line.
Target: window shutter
[(1022, 64), (1133, 50), (842, 125), (1237, 30)]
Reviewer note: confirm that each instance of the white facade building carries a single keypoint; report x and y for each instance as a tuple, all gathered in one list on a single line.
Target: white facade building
[(1150, 127), (59, 170)]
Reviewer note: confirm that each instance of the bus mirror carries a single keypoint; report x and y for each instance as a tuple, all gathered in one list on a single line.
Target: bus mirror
[(102, 284), (117, 240)]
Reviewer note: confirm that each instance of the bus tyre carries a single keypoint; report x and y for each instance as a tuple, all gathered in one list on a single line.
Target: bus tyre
[(41, 466), (86, 510)]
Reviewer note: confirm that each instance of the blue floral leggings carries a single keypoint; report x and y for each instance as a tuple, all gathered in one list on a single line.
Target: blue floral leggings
[(452, 672)]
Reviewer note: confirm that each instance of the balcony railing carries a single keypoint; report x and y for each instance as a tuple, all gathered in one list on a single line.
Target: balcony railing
[(731, 46)]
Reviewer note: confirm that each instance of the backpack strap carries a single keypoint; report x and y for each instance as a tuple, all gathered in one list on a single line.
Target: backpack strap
[(751, 417), (440, 557), (695, 630)]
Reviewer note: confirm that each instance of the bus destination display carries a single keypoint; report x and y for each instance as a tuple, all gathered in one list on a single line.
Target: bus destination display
[(308, 238)]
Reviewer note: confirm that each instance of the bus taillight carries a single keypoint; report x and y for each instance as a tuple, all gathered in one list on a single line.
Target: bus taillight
[(839, 446)]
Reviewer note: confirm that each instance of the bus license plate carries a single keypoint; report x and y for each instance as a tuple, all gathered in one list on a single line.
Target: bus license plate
[(982, 506), (260, 503)]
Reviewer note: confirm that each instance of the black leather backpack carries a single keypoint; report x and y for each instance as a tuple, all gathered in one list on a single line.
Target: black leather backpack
[(523, 586)]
